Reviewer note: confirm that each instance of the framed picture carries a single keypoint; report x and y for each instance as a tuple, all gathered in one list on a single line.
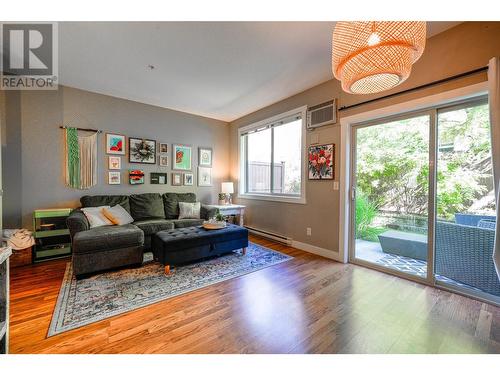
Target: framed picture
[(158, 178), (114, 162), (321, 161), (163, 160), (136, 176), (141, 151), (181, 157), (163, 148), (205, 156), (204, 176), (115, 144), (176, 179), (114, 178), (188, 179)]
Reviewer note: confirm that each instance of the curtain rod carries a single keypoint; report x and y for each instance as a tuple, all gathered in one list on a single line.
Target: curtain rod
[(470, 72), (83, 129)]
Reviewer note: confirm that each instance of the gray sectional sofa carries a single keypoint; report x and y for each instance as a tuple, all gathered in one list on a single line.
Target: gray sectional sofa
[(107, 247)]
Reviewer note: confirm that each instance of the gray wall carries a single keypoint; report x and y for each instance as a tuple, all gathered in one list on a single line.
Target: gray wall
[(33, 147)]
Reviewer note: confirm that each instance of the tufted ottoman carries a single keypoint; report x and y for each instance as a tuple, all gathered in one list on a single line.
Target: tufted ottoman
[(182, 245)]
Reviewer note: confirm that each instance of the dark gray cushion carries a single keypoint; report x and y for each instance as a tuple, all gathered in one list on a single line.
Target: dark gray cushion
[(146, 206), (77, 222), (182, 238), (105, 200), (152, 226), (208, 211), (171, 203), (106, 238), (184, 223)]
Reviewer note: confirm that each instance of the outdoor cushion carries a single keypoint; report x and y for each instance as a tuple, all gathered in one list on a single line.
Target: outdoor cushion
[(171, 203), (146, 206), (183, 223), (487, 224), (152, 226), (107, 238), (105, 200)]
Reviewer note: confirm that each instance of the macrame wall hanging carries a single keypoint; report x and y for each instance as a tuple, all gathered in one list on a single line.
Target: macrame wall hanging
[(80, 159)]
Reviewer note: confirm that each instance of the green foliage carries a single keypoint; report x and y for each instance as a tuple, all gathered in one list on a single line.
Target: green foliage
[(365, 214), (393, 163), (219, 216)]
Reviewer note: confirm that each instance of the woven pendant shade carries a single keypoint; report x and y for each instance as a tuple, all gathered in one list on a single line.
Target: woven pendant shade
[(369, 57)]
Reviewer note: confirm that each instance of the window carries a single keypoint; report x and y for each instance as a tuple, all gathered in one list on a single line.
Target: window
[(272, 158)]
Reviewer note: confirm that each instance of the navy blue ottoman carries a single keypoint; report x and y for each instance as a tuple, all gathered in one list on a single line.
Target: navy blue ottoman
[(183, 245)]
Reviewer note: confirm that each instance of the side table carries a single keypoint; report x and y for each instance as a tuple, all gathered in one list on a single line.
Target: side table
[(233, 209)]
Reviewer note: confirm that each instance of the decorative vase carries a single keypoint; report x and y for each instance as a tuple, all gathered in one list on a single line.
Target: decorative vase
[(222, 198)]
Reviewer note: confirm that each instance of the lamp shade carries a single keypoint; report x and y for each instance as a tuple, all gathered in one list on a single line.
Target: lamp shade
[(369, 57), (227, 188)]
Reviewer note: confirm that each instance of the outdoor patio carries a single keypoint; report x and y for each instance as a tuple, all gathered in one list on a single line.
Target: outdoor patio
[(372, 252)]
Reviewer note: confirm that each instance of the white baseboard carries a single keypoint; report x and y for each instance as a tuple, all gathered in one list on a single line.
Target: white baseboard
[(317, 250)]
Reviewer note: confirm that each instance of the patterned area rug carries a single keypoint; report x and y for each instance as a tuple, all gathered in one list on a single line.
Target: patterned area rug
[(86, 301)]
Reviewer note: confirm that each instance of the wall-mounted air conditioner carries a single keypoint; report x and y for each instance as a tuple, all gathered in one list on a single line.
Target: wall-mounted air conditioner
[(322, 114)]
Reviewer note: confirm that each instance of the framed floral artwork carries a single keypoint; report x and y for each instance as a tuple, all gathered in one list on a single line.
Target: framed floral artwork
[(204, 176), (136, 176), (141, 151), (114, 178), (176, 179), (181, 158), (115, 144), (205, 156), (321, 161), (188, 179), (114, 162)]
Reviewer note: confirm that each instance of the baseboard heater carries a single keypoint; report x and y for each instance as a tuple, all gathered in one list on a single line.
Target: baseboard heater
[(270, 235)]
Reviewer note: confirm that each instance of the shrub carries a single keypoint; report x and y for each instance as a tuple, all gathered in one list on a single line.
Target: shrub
[(365, 214)]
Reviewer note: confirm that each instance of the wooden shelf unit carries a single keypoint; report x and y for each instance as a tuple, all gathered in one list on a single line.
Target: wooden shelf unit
[(55, 243)]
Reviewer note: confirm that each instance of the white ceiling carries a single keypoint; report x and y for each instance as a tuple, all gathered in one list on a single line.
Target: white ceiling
[(222, 70)]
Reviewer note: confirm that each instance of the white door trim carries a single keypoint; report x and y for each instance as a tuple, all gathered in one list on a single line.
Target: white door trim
[(346, 124)]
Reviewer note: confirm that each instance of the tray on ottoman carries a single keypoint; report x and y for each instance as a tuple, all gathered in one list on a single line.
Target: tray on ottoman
[(182, 245)]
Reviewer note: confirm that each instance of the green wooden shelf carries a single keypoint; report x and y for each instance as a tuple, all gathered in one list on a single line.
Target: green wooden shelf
[(51, 253), (51, 247), (51, 233), (56, 212)]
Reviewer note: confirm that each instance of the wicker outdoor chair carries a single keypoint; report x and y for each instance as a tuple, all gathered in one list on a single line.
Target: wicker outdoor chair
[(464, 254)]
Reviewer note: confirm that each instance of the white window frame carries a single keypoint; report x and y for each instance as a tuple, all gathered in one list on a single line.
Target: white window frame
[(301, 199)]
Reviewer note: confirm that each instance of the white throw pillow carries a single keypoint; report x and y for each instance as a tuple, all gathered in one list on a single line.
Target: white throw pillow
[(118, 215), (95, 216), (189, 210)]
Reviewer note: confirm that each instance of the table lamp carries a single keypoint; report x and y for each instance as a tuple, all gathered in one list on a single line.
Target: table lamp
[(227, 188)]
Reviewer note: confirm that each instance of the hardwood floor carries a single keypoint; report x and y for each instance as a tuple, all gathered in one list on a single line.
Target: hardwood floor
[(307, 305)]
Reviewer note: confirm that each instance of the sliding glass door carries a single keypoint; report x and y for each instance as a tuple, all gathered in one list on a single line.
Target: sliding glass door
[(466, 219), (391, 194), (424, 199)]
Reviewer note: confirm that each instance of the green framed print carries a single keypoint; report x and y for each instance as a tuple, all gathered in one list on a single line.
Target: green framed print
[(181, 159)]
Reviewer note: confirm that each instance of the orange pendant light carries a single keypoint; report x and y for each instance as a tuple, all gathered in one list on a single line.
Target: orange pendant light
[(370, 57)]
